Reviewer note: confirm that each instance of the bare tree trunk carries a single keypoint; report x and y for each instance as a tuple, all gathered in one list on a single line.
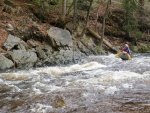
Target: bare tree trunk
[(64, 9), (87, 19), (97, 15), (75, 16), (103, 24), (141, 10), (43, 9), (69, 9)]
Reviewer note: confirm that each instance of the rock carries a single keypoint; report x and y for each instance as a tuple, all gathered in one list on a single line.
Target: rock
[(5, 63), (33, 43), (47, 49), (9, 27), (77, 56), (2, 50), (23, 58), (68, 55), (58, 37), (40, 52), (11, 42)]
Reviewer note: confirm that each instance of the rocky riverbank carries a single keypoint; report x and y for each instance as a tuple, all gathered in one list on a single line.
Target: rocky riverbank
[(56, 49), (27, 40)]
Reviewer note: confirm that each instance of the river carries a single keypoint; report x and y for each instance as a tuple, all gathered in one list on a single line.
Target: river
[(99, 84)]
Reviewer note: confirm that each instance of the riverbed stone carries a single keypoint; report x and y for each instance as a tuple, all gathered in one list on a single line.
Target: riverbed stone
[(5, 63)]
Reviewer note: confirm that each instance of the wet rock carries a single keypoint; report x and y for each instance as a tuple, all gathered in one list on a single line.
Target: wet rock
[(5, 63), (23, 58)]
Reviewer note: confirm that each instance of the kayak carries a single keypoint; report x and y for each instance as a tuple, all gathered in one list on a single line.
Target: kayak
[(123, 55)]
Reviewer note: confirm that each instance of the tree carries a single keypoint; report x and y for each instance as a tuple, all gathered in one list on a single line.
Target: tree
[(75, 16), (87, 18), (64, 9), (104, 18), (141, 11), (130, 6)]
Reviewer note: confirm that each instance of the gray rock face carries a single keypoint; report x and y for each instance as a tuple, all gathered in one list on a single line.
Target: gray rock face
[(11, 42), (58, 37), (55, 51), (24, 59), (5, 63), (41, 53)]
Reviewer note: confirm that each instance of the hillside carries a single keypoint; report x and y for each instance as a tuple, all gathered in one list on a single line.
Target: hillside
[(28, 21)]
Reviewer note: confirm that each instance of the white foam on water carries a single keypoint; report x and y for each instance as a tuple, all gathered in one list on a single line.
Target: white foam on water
[(87, 81), (1, 81), (47, 88), (111, 90), (127, 86), (118, 75), (146, 73), (36, 91), (92, 65), (16, 89), (40, 108), (16, 76), (73, 68), (76, 67), (55, 70)]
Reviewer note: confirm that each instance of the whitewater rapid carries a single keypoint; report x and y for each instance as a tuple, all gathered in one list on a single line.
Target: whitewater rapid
[(99, 84)]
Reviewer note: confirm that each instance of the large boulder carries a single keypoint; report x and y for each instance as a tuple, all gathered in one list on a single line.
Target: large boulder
[(23, 58), (11, 42), (5, 63), (59, 38)]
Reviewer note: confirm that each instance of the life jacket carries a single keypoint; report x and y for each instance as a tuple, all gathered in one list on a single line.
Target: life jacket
[(126, 49)]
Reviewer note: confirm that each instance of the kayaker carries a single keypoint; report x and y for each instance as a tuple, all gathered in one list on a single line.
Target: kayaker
[(126, 49)]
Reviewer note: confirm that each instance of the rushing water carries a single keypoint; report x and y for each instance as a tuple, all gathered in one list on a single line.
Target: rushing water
[(100, 84)]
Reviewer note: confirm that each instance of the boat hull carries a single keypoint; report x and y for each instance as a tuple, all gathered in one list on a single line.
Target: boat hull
[(123, 55)]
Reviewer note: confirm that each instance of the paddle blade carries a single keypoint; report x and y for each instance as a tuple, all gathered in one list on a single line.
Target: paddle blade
[(118, 55)]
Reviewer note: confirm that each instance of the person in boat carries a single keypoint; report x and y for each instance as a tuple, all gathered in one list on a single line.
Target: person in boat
[(126, 49)]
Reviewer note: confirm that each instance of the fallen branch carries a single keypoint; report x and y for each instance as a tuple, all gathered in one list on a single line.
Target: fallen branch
[(97, 36)]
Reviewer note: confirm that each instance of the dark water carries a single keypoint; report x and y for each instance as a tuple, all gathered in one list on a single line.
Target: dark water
[(101, 84)]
